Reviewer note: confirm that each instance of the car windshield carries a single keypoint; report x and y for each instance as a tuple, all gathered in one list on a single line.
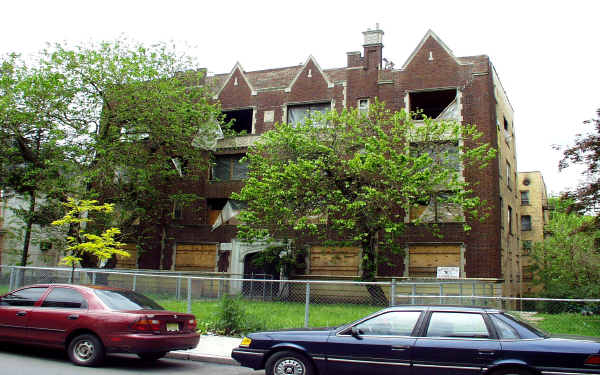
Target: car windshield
[(126, 300), (529, 327)]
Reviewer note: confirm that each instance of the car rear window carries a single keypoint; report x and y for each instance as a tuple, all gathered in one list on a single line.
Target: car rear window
[(126, 300)]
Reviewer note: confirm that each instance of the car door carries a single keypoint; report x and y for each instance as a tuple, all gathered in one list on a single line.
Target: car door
[(15, 311), (454, 343), (377, 345), (60, 311)]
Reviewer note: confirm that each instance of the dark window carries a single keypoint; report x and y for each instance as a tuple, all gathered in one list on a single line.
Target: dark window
[(443, 324), (525, 223), (508, 173), (65, 298), (241, 120), (229, 167), (505, 124), (299, 113), (126, 300), (504, 330), (23, 297), (397, 323), (510, 219), (177, 211), (525, 198), (430, 103)]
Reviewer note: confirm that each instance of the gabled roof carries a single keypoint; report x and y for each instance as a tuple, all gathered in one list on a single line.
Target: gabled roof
[(310, 58), (237, 66), (431, 34)]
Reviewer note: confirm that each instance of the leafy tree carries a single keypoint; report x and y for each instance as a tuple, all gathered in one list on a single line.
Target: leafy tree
[(37, 141), (348, 179), (150, 121), (585, 151), (101, 247), (567, 263)]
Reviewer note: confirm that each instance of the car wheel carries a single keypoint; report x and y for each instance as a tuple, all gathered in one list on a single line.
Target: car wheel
[(86, 350), (511, 371), (288, 363), (152, 356)]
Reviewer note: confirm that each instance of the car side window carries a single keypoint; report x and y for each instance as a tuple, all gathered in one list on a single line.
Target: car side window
[(504, 330), (455, 324), (23, 297), (394, 323), (64, 298)]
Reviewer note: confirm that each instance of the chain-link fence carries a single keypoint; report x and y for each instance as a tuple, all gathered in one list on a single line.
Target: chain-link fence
[(192, 287)]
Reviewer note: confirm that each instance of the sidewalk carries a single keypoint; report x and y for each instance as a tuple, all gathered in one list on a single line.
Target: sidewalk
[(215, 349)]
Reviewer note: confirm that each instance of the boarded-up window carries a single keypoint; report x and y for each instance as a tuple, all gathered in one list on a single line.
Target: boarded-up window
[(334, 261), (131, 260), (423, 260), (196, 257)]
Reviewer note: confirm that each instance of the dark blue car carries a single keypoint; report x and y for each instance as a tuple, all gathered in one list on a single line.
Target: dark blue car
[(420, 340)]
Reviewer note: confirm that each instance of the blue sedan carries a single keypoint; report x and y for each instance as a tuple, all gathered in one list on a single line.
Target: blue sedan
[(420, 340)]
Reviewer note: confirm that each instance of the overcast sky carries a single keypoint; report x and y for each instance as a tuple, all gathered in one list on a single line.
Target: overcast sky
[(546, 52)]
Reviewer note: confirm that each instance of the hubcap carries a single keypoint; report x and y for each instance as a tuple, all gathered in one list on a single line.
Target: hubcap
[(289, 366), (84, 350)]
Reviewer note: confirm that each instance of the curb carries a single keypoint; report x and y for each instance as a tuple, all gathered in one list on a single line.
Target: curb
[(203, 358)]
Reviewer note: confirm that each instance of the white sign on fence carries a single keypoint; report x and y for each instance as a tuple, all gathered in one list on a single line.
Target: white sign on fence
[(448, 272)]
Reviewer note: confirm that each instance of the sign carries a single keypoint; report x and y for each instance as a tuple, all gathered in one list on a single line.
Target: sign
[(448, 272)]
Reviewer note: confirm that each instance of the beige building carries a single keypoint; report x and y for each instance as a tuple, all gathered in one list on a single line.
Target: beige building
[(534, 216)]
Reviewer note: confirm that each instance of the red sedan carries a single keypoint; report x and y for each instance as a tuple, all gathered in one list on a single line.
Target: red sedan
[(90, 321)]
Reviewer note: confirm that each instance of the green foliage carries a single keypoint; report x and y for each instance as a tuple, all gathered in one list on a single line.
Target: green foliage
[(567, 262), (353, 177), (232, 319), (103, 246)]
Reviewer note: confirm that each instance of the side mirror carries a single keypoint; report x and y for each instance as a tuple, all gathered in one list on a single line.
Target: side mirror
[(357, 332)]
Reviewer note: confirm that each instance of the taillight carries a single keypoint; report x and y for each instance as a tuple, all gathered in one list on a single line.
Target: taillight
[(594, 359), (191, 324), (147, 325)]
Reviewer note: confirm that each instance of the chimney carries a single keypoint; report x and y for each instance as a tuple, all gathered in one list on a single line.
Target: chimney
[(373, 47)]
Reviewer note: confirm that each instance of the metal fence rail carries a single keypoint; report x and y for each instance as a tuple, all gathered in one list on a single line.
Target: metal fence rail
[(190, 286)]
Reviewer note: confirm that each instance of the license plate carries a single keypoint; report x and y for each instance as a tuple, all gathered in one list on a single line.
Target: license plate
[(172, 327)]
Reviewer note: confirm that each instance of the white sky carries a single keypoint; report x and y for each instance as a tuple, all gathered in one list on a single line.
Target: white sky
[(546, 52)]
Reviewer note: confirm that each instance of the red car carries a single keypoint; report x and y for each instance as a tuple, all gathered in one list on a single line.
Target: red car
[(90, 321)]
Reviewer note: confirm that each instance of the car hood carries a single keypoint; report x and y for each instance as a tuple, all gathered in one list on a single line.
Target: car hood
[(295, 333)]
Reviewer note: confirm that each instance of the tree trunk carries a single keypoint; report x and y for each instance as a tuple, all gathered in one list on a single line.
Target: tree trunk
[(29, 225), (163, 245), (369, 270)]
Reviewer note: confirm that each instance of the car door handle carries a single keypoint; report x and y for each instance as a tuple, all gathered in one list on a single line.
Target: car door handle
[(486, 352), (73, 317), (400, 347), (21, 313)]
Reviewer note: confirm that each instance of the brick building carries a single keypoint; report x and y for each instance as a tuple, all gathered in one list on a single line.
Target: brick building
[(432, 79)]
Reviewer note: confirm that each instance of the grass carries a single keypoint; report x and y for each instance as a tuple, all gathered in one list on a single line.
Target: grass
[(570, 323)]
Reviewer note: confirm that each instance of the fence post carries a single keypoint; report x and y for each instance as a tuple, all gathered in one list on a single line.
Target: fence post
[(472, 294), (393, 293), (441, 293), (134, 282), (460, 293), (11, 282), (94, 278), (189, 295), (306, 305), (178, 288), (414, 293)]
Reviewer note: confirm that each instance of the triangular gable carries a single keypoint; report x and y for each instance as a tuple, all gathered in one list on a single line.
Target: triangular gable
[(310, 58), (430, 34), (237, 66)]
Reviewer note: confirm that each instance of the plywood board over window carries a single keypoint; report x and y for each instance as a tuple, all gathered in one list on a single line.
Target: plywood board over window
[(131, 260), (196, 257), (334, 261), (423, 260)]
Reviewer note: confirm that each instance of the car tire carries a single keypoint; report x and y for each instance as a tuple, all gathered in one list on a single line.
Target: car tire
[(281, 363), (86, 350), (512, 371), (151, 356)]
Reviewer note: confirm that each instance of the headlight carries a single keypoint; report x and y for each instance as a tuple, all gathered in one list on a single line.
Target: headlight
[(246, 342)]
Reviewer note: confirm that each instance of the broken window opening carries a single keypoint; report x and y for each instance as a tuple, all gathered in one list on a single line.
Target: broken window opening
[(437, 209), (505, 124), (298, 114), (363, 106), (223, 211), (442, 153), (229, 168), (241, 120), (430, 103)]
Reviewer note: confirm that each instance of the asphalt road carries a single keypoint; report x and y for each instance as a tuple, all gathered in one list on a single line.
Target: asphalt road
[(24, 360)]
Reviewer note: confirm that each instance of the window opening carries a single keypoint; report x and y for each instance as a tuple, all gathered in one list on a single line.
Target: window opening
[(525, 198), (241, 120), (444, 324), (363, 106), (229, 168), (510, 219), (508, 174), (525, 223), (430, 103), (527, 246), (299, 113), (505, 124)]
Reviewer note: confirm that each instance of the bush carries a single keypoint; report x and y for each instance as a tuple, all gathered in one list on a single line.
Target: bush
[(233, 320)]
